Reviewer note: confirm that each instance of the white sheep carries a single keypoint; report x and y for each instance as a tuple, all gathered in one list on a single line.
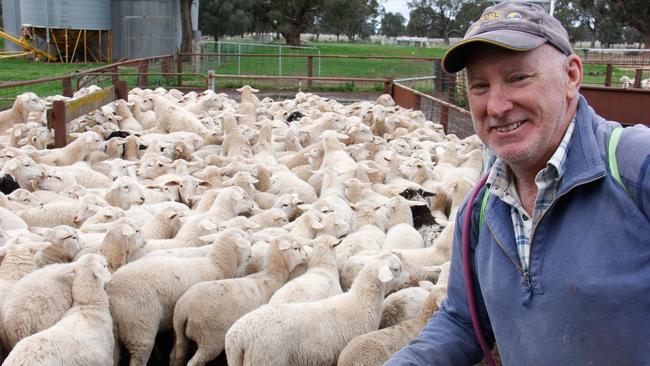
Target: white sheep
[(19, 112), (375, 348), (321, 279), (206, 311), (84, 336), (143, 293), (78, 149), (314, 333), (404, 304)]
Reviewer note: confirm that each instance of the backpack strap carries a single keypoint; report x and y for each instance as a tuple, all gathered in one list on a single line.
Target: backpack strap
[(611, 152)]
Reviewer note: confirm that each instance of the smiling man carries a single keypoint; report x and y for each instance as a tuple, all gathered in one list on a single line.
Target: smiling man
[(559, 240)]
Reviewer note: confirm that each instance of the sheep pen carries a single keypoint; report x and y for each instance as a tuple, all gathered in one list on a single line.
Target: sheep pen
[(188, 169)]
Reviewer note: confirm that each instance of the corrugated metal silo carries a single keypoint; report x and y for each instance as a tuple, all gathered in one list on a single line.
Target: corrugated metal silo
[(67, 14), (11, 21), (144, 28)]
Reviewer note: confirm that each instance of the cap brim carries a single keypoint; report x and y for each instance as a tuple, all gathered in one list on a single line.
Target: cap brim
[(455, 57)]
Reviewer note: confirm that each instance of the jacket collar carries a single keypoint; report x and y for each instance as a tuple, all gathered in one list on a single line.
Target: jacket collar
[(585, 156)]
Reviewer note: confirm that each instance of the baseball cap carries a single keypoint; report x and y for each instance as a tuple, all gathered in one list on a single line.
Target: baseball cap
[(514, 25)]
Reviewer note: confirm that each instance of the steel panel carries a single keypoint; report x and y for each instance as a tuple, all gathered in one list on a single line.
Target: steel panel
[(67, 14)]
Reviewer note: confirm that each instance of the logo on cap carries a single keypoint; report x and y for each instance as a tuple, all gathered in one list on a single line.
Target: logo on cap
[(489, 17), (513, 17)]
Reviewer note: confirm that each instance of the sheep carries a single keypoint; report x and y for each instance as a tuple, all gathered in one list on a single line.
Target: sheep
[(19, 172), (163, 225), (91, 343), (125, 192), (314, 333), (122, 238), (65, 244), (404, 304), (375, 348), (36, 302), (626, 82), (18, 259), (206, 322), (78, 149), (9, 220), (71, 213), (143, 293), (23, 105), (128, 122), (403, 236), (321, 279)]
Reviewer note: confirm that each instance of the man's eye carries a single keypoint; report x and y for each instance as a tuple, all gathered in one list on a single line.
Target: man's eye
[(519, 78)]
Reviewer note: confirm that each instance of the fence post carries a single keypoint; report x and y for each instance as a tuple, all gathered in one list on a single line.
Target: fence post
[(443, 117), (437, 77), (637, 78), (212, 80), (608, 75), (310, 71), (143, 69), (280, 61), (56, 120), (179, 69), (67, 87), (122, 90), (388, 86), (114, 76)]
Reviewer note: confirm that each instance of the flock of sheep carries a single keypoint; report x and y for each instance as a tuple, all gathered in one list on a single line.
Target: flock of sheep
[(294, 232)]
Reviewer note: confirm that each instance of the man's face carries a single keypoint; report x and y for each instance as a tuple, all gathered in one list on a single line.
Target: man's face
[(519, 102)]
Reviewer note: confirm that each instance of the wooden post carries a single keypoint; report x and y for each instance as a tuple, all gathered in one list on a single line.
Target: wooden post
[(85, 46), (608, 75), (143, 70), (110, 46), (115, 78), (310, 71), (443, 116), (56, 120), (67, 87), (388, 86), (179, 69), (122, 90), (637, 78)]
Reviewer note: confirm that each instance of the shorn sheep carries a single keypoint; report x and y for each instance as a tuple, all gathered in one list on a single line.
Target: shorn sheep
[(314, 333), (91, 342), (206, 311), (143, 292)]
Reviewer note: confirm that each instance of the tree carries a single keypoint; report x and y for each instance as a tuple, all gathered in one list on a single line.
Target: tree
[(635, 13), (289, 17), (220, 18), (419, 23), (392, 25), (350, 17), (439, 15), (468, 13), (186, 26)]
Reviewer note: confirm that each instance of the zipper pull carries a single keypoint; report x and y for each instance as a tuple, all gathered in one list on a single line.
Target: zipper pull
[(527, 280)]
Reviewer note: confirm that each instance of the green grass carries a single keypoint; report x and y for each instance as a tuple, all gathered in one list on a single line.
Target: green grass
[(18, 69)]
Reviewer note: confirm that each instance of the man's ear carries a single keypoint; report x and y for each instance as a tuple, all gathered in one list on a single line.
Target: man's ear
[(574, 73)]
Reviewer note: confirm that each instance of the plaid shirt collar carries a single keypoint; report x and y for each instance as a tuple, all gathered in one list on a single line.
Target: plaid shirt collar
[(501, 183)]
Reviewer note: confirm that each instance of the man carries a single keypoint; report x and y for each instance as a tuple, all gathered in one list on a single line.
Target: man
[(560, 259)]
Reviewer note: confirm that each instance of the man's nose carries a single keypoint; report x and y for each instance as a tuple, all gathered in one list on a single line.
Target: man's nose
[(498, 102)]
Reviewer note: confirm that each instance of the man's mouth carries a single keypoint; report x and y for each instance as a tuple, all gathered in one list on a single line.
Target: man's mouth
[(510, 127)]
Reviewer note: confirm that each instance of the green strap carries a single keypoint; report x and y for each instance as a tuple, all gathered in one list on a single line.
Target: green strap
[(613, 163), (481, 217)]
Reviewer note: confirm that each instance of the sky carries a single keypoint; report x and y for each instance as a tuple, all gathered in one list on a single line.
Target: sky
[(396, 6)]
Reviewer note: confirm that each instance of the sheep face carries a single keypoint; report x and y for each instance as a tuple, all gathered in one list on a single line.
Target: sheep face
[(293, 252), (32, 102), (126, 192)]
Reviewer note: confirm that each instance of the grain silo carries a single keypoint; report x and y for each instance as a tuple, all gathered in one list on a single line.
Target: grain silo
[(97, 30), (71, 30)]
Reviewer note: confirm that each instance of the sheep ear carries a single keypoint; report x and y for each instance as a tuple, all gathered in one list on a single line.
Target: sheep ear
[(243, 243), (207, 224), (128, 230), (284, 244), (88, 139), (102, 273), (384, 274), (335, 243), (39, 230), (427, 285), (317, 225), (11, 165), (359, 259), (304, 207)]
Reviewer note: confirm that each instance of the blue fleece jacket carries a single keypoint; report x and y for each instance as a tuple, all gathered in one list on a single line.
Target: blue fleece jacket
[(587, 298)]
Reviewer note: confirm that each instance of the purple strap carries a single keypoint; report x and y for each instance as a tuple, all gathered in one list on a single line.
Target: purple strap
[(467, 270)]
